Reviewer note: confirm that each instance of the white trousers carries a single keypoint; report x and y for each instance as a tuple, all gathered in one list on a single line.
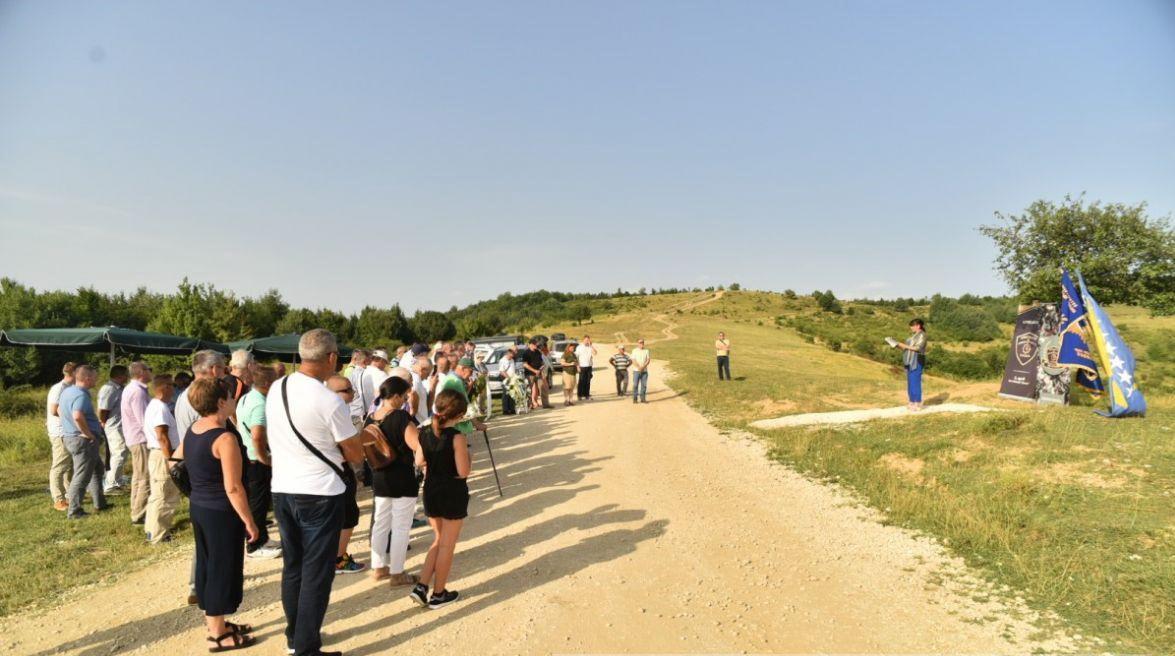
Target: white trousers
[(391, 520)]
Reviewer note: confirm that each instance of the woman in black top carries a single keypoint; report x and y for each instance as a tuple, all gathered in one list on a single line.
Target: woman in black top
[(395, 486), (446, 495), (221, 519)]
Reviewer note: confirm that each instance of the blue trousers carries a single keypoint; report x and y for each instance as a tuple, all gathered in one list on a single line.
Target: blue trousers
[(309, 527), (640, 384), (914, 384)]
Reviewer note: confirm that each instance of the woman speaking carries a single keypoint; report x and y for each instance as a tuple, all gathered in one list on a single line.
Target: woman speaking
[(914, 360)]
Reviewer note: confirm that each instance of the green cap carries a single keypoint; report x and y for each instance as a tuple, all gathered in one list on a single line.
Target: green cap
[(466, 362)]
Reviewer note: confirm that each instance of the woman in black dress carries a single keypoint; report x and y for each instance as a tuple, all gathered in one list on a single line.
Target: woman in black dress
[(446, 495), (395, 486), (221, 519)]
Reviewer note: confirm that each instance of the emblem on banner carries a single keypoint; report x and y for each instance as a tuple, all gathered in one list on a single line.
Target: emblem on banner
[(1026, 348)]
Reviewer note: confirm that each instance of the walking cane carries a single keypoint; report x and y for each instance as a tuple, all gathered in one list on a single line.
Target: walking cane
[(486, 435)]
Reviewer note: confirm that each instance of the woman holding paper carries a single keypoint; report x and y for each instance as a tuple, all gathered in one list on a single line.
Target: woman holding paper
[(914, 360)]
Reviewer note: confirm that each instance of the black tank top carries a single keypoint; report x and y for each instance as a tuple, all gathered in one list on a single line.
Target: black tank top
[(440, 457), (205, 471), (399, 478)]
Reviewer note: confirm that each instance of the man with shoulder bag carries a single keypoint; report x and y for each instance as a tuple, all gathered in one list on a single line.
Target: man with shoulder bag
[(311, 438)]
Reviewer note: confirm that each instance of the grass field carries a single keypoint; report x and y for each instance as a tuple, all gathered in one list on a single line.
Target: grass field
[(1073, 511), (44, 555)]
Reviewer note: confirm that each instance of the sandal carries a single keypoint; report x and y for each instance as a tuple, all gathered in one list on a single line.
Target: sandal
[(239, 642), (239, 628)]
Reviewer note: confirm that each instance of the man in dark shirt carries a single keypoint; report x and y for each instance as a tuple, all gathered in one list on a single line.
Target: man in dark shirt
[(532, 363)]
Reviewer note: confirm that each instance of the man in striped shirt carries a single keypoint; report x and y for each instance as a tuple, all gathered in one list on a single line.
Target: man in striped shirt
[(621, 362)]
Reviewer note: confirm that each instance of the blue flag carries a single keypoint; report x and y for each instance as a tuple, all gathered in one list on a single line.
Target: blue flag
[(1075, 336), (1116, 360)]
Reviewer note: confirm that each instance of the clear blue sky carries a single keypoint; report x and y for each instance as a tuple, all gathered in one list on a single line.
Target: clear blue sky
[(322, 148)]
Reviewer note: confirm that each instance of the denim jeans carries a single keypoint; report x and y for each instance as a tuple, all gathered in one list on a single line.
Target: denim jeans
[(585, 383), (640, 384), (914, 384), (621, 382), (309, 527), (724, 366), (88, 473)]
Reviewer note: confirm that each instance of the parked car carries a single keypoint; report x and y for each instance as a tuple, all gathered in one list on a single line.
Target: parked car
[(488, 345), (494, 379)]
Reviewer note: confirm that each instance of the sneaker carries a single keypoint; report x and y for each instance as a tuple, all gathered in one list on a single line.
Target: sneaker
[(268, 551), (419, 594), (61, 505), (348, 565), (403, 578), (113, 489), (443, 599), (81, 514)]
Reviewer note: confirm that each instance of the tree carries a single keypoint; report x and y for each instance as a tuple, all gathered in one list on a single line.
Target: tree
[(734, 287), (827, 302), (263, 313), (296, 321), (186, 313), (1125, 256), (579, 312), (429, 327), (382, 325), (789, 294)]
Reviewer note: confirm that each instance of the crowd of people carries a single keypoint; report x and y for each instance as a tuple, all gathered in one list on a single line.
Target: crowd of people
[(255, 439)]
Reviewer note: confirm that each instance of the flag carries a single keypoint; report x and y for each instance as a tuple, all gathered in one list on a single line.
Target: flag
[(1116, 360), (1075, 352)]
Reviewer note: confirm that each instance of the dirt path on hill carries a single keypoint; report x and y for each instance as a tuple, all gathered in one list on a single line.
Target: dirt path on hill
[(667, 331), (623, 528)]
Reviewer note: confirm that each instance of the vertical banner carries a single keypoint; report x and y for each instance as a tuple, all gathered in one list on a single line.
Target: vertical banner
[(1052, 378), (1024, 359)]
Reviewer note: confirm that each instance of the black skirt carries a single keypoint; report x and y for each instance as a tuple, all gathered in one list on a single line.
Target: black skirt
[(448, 500), (220, 559)]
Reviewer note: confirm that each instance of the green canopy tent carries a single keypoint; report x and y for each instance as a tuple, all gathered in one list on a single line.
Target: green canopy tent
[(278, 347), (105, 340)]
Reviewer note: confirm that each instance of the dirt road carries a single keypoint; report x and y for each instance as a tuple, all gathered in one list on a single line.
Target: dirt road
[(623, 528)]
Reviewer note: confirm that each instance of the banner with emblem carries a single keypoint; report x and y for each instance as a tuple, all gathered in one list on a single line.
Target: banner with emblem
[(1020, 372), (1117, 361), (1075, 337)]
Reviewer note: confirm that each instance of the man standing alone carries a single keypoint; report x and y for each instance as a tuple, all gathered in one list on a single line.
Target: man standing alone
[(60, 464), (110, 414), (640, 374), (722, 345), (133, 408), (621, 362), (584, 353)]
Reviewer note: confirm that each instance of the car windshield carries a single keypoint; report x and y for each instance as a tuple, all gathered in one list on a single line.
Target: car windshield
[(495, 356)]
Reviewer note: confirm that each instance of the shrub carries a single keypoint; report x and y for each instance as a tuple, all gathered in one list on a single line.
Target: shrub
[(19, 402), (789, 294), (954, 321)]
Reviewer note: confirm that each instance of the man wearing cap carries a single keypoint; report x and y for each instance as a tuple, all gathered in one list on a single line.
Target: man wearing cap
[(621, 362), (460, 383), (374, 376)]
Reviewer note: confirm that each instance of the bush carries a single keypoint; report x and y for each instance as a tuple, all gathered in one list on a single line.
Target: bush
[(953, 321), (19, 402), (827, 302), (789, 294)]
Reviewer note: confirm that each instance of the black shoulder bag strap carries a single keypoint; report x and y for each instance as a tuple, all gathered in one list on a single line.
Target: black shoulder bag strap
[(310, 447)]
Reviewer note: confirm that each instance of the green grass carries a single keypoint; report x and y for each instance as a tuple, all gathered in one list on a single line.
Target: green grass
[(44, 555), (1075, 512)]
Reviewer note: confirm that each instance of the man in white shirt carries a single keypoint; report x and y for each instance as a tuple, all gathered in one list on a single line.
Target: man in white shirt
[(419, 401), (308, 483), (162, 440), (374, 376), (358, 407), (584, 353), (110, 414), (61, 463)]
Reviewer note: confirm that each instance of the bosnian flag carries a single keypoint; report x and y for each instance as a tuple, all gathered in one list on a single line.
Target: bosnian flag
[(1116, 359)]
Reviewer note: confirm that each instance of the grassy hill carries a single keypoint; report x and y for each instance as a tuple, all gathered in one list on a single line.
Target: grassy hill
[(1071, 510)]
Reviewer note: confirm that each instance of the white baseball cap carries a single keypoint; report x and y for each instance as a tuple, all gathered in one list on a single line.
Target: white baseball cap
[(381, 354)]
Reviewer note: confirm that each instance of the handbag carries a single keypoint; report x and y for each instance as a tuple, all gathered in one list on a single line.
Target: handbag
[(376, 449), (179, 476)]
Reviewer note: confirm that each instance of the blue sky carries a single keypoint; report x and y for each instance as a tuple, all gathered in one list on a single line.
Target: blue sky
[(328, 149)]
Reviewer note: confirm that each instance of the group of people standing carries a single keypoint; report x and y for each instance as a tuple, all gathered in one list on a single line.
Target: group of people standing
[(252, 438)]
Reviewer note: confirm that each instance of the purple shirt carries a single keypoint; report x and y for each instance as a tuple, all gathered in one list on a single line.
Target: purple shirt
[(134, 404)]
